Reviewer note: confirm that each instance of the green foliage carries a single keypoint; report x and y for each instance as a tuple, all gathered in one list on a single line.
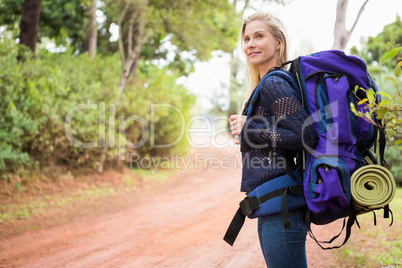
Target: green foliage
[(40, 95), (62, 20), (393, 157), (10, 12), (213, 25), (388, 110), (374, 49), (165, 107), (16, 105), (57, 20), (188, 30), (59, 107), (384, 64)]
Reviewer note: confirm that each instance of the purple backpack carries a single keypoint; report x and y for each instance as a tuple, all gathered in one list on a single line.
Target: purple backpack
[(329, 82)]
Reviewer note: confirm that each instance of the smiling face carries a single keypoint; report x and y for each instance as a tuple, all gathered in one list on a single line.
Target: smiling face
[(260, 46)]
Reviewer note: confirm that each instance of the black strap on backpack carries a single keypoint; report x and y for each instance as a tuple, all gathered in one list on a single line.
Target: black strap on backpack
[(382, 143), (249, 204), (351, 220)]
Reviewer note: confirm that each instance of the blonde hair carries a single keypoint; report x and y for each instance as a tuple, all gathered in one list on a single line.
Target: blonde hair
[(277, 29)]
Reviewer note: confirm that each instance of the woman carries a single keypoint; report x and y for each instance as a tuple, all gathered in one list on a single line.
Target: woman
[(272, 134)]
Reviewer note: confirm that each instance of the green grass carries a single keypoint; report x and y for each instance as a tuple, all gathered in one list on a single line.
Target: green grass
[(149, 174), (25, 205), (4, 217), (40, 205), (375, 246)]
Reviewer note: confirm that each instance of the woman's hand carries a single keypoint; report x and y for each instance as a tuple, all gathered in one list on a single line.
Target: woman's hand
[(236, 125)]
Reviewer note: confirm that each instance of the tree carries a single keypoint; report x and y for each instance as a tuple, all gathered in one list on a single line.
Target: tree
[(197, 27), (62, 22), (91, 30), (29, 26), (341, 34)]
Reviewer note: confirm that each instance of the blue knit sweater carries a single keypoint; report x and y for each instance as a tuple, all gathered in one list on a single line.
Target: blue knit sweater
[(272, 134)]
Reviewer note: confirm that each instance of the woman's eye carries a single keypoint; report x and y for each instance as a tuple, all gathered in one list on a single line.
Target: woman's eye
[(259, 36), (246, 39)]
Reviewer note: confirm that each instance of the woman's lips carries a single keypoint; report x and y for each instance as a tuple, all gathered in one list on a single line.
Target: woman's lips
[(252, 54)]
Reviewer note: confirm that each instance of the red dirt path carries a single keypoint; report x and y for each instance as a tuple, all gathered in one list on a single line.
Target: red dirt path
[(179, 224)]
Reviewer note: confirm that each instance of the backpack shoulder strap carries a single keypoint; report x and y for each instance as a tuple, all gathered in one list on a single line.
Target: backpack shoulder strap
[(277, 71)]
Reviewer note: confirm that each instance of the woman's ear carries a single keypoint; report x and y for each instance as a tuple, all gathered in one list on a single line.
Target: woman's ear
[(279, 45)]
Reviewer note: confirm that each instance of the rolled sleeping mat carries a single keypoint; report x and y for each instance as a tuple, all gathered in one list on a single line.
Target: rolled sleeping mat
[(372, 187)]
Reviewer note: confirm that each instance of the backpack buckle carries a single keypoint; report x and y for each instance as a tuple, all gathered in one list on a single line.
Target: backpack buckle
[(248, 205), (296, 189)]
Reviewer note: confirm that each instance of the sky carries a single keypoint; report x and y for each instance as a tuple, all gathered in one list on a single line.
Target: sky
[(310, 25)]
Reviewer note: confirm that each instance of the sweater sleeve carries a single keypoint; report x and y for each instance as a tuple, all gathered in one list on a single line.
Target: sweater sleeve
[(286, 129)]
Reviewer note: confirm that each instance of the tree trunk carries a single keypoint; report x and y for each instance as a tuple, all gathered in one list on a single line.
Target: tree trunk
[(134, 45), (91, 31), (233, 87), (29, 27), (341, 34), (129, 62)]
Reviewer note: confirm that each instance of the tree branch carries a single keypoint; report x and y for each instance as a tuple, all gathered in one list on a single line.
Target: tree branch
[(121, 47), (140, 38), (245, 6), (130, 34), (358, 16)]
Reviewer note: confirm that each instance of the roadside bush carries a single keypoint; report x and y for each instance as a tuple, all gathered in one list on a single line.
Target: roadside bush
[(17, 107), (164, 106), (39, 95)]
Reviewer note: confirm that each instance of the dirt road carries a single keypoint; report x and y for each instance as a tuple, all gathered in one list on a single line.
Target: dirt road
[(181, 224)]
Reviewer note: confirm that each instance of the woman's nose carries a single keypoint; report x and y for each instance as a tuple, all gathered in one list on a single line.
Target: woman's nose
[(251, 44)]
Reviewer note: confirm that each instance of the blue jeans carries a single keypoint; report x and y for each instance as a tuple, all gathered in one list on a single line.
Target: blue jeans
[(284, 248)]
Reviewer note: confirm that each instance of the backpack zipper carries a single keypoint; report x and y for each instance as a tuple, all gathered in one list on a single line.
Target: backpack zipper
[(326, 168)]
